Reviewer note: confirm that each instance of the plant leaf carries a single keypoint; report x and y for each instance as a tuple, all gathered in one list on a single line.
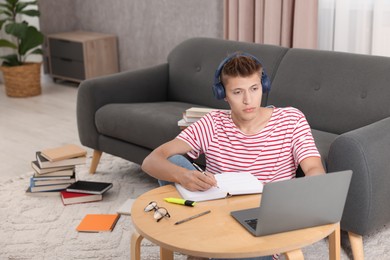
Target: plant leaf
[(16, 29), (2, 22), (30, 12), (20, 6), (11, 60), (6, 43), (32, 39), (37, 51), (12, 2), (5, 6)]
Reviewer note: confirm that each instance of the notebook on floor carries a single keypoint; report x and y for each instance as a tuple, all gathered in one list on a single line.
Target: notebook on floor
[(297, 203)]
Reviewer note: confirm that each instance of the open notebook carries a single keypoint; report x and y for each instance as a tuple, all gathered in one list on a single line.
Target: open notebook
[(229, 184)]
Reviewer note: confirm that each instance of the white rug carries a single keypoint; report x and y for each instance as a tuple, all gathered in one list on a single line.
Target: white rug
[(43, 228)]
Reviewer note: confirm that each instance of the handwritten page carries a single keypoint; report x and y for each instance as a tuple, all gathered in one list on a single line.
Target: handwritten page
[(232, 183)]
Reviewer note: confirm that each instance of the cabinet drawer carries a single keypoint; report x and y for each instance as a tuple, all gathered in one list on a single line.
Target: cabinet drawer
[(67, 68), (66, 49)]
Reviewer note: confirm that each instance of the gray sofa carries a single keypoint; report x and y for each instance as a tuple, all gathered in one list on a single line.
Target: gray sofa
[(345, 98)]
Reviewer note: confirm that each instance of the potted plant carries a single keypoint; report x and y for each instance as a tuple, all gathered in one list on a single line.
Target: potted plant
[(21, 78)]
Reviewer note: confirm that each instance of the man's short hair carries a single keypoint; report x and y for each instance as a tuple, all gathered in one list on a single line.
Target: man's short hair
[(240, 66)]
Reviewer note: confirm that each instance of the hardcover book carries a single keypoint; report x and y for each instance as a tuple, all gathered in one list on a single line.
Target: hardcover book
[(198, 111), (53, 187), (98, 223), (52, 182), (190, 119), (63, 152), (229, 184), (53, 170), (183, 123), (59, 176), (54, 193), (90, 187), (45, 163), (74, 197)]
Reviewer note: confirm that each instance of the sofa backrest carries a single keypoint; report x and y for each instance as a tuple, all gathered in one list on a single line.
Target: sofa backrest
[(192, 65), (337, 92)]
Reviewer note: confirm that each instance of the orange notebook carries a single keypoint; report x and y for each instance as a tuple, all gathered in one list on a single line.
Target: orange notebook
[(98, 223), (63, 152)]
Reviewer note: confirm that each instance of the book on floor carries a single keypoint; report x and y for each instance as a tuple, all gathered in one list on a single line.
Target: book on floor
[(44, 182), (39, 177), (75, 198), (66, 175), (63, 152), (52, 187), (229, 184), (125, 208), (98, 223), (90, 187), (45, 163), (54, 193), (52, 170)]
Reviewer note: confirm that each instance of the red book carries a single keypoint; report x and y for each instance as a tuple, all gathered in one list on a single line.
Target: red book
[(73, 197)]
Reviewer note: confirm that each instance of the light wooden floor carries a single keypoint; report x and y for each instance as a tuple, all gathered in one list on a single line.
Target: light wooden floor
[(30, 124)]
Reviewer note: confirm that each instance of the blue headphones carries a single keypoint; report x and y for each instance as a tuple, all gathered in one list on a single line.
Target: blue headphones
[(219, 89)]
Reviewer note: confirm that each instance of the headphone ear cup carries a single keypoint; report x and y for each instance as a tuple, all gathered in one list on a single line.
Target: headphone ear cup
[(265, 82), (219, 91)]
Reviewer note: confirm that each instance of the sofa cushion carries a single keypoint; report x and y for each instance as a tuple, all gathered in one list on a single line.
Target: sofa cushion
[(144, 124)]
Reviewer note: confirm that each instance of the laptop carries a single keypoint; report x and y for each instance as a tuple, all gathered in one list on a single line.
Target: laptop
[(297, 203)]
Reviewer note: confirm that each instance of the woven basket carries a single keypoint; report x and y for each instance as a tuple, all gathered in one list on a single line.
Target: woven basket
[(22, 81)]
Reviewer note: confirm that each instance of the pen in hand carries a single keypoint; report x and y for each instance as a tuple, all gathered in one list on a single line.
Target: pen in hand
[(200, 169)]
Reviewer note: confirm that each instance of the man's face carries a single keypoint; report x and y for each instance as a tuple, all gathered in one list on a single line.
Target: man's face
[(244, 96)]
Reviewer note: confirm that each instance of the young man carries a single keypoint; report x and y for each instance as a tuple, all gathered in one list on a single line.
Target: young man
[(268, 142)]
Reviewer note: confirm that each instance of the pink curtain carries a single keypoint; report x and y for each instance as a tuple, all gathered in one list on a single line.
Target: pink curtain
[(288, 23)]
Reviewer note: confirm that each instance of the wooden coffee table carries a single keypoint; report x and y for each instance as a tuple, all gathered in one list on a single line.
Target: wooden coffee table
[(217, 234)]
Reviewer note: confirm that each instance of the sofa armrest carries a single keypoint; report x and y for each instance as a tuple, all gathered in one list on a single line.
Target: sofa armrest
[(146, 85), (366, 152)]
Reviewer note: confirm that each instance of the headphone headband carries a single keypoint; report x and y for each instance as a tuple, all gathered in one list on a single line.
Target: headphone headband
[(219, 89)]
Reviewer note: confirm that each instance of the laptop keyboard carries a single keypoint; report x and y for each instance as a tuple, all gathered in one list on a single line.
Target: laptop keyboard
[(252, 223)]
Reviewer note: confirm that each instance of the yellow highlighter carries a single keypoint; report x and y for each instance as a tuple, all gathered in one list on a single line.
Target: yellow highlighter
[(184, 202)]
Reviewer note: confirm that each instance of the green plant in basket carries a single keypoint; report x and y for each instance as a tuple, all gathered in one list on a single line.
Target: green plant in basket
[(25, 39)]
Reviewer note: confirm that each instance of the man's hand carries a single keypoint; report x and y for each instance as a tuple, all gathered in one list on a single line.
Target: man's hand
[(198, 181)]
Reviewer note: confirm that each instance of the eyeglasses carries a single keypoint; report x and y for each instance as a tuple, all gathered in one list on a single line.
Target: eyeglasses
[(159, 212)]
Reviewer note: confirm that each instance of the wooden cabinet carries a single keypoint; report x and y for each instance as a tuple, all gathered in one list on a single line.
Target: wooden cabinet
[(79, 55)]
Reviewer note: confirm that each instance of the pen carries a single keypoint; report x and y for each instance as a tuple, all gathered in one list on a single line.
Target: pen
[(184, 202), (192, 217), (200, 169)]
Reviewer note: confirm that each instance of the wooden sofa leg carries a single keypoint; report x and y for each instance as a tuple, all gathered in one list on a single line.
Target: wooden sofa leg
[(95, 161), (356, 245)]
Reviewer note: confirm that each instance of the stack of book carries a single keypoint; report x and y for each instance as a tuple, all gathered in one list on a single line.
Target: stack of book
[(54, 169), (192, 115), (84, 191)]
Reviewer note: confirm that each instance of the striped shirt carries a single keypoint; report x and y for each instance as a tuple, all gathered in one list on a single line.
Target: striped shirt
[(272, 154)]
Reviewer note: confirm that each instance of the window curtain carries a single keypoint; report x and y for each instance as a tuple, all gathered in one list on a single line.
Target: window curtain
[(288, 23), (357, 26)]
